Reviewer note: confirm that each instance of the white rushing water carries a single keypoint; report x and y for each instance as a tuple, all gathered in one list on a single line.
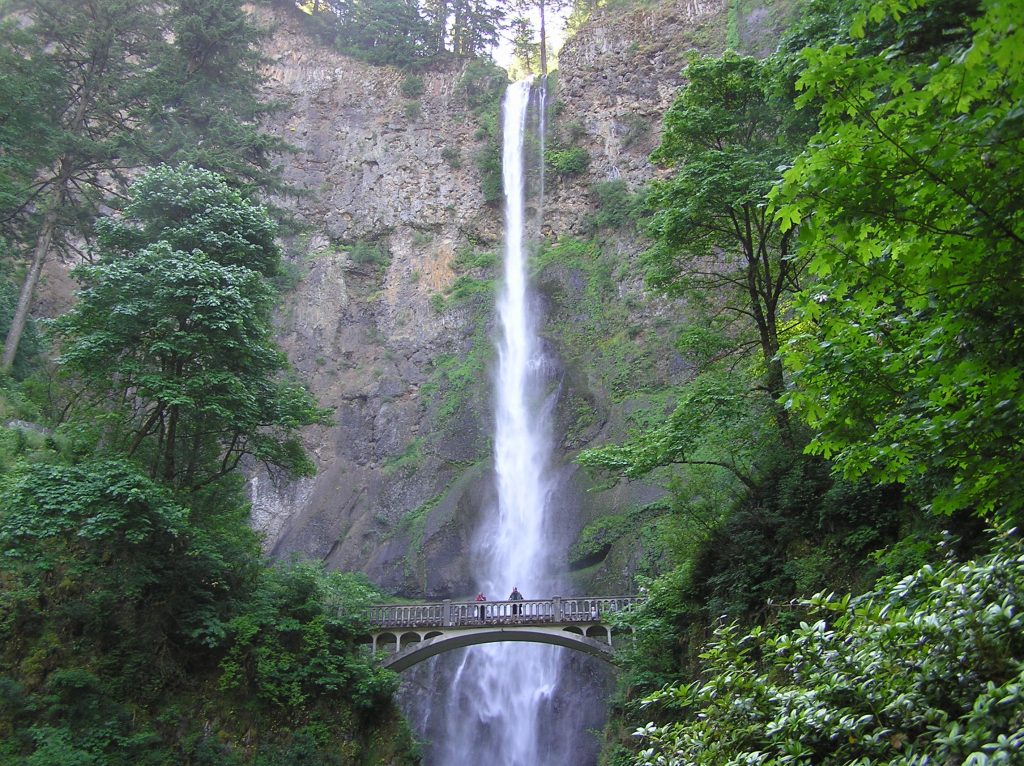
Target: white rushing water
[(496, 704), (515, 545), (502, 695)]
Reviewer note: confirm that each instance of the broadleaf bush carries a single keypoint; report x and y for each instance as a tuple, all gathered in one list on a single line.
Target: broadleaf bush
[(928, 669)]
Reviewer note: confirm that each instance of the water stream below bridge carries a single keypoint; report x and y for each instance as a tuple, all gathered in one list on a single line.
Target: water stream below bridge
[(513, 704)]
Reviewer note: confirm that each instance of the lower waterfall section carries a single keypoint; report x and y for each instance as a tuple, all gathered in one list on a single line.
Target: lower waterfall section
[(514, 704), (459, 723)]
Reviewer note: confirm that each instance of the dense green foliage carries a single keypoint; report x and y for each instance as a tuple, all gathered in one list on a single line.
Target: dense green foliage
[(175, 317), (131, 624), (871, 170), (103, 87), (725, 136), (204, 104), (910, 358), (483, 85), (27, 121), (406, 33), (139, 622), (926, 669), (567, 162)]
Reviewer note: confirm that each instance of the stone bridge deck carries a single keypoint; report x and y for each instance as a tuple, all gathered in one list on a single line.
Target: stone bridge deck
[(414, 632)]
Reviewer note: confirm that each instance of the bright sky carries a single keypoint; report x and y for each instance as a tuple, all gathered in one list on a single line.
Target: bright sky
[(555, 28)]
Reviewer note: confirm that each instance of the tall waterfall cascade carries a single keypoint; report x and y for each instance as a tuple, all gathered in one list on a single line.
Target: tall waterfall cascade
[(501, 703)]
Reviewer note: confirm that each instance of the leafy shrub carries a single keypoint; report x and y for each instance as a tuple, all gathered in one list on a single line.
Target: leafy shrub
[(469, 258), (926, 669), (488, 162), (412, 86), (452, 156), (573, 131), (296, 644), (617, 207), (568, 162), (413, 111), (483, 84), (363, 252), (636, 128)]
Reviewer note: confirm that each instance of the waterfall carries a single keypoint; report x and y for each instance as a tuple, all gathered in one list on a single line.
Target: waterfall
[(515, 543), (497, 704)]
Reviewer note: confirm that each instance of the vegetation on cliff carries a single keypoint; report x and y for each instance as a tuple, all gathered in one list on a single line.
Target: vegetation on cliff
[(870, 203)]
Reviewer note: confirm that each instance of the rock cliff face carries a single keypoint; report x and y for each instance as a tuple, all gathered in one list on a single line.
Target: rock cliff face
[(390, 314)]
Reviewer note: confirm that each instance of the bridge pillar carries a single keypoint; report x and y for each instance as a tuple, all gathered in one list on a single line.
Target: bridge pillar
[(447, 616), (556, 608)]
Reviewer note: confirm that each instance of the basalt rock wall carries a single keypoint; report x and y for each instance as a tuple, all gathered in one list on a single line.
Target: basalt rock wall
[(390, 312)]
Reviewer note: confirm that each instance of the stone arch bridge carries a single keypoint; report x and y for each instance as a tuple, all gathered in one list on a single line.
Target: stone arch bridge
[(411, 633)]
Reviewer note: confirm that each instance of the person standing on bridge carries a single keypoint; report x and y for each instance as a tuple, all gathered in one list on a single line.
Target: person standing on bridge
[(480, 597), (515, 595)]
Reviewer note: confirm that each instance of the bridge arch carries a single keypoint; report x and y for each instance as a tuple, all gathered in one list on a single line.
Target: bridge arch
[(414, 653), (411, 633)]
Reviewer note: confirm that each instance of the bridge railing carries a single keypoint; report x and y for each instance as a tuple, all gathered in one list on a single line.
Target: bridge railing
[(466, 613)]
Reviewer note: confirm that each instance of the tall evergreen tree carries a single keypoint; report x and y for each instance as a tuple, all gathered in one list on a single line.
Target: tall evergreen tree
[(483, 22), (28, 121), (128, 84), (524, 48), (204, 103), (435, 14), (100, 53), (543, 7)]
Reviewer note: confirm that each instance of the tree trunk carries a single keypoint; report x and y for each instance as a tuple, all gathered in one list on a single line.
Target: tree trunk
[(170, 446), (543, 43), (763, 307), (28, 287), (49, 224)]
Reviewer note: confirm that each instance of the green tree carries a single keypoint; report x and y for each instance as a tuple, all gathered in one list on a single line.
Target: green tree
[(204, 104), (477, 26), (111, 85), (726, 135), (542, 7), (98, 53), (116, 562), (28, 123), (380, 31), (714, 423), (172, 333), (909, 360), (524, 47), (129, 623), (298, 641)]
